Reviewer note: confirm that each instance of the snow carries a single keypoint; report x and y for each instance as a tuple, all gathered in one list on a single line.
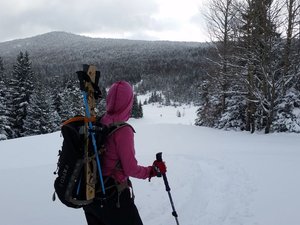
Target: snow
[(3, 137), (216, 177)]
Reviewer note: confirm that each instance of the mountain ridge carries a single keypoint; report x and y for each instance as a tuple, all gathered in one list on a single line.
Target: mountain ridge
[(65, 33), (60, 38)]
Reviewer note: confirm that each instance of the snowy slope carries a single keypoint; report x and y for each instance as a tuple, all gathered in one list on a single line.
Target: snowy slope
[(216, 177)]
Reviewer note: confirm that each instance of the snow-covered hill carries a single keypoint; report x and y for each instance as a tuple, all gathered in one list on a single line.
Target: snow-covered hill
[(58, 41), (216, 177)]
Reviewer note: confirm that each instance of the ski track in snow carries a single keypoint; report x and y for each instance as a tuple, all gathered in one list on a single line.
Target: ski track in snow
[(215, 196), (218, 194), (216, 188)]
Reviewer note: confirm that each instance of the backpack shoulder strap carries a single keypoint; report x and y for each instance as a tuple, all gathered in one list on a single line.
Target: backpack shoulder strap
[(113, 127)]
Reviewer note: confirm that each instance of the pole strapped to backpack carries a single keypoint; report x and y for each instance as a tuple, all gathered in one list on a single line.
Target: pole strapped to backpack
[(92, 133), (89, 79)]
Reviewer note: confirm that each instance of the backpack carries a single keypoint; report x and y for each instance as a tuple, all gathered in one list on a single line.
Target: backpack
[(70, 184)]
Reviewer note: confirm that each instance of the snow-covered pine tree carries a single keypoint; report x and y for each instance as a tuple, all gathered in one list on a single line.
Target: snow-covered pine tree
[(135, 108), (261, 44), (42, 117), (168, 98), (3, 117), (210, 108), (57, 101), (102, 102), (70, 101), (52, 116), (21, 87), (234, 115), (287, 118), (155, 97), (141, 113)]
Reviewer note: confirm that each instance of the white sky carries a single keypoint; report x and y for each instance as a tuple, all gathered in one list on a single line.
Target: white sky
[(176, 20)]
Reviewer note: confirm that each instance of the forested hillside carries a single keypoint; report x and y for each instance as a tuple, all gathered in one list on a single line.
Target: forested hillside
[(39, 86), (57, 55)]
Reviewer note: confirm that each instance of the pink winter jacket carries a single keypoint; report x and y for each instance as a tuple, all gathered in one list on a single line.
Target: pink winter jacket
[(120, 145)]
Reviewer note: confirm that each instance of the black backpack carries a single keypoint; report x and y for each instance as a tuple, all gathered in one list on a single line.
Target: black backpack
[(70, 184)]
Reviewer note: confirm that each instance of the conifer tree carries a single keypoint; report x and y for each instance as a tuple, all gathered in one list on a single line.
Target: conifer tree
[(42, 117), (3, 117), (155, 97), (260, 40), (141, 113), (21, 88), (102, 102), (71, 101), (135, 108)]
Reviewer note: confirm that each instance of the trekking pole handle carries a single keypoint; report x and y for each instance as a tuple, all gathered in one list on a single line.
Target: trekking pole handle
[(159, 159), (159, 156)]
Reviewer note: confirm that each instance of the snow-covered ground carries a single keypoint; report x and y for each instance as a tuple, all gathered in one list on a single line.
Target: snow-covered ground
[(216, 177)]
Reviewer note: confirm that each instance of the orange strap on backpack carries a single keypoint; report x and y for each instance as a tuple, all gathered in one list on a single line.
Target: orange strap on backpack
[(80, 118)]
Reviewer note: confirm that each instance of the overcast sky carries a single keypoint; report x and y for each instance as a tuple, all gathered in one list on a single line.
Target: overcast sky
[(176, 20)]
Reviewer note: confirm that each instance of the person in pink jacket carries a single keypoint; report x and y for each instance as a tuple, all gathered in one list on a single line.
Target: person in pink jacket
[(119, 163)]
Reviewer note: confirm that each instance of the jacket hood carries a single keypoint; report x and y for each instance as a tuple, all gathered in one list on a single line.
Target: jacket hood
[(119, 102)]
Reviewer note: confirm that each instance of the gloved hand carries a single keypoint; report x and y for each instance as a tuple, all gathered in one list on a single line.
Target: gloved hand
[(158, 168)]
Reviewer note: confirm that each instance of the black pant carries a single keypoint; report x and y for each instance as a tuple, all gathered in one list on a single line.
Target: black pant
[(109, 214)]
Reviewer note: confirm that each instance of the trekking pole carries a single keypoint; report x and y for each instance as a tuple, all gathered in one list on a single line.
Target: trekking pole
[(92, 133), (168, 189), (90, 91)]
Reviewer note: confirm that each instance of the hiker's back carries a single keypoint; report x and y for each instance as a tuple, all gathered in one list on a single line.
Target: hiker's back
[(119, 148)]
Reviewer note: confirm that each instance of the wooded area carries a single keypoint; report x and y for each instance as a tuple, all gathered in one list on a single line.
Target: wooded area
[(255, 81)]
